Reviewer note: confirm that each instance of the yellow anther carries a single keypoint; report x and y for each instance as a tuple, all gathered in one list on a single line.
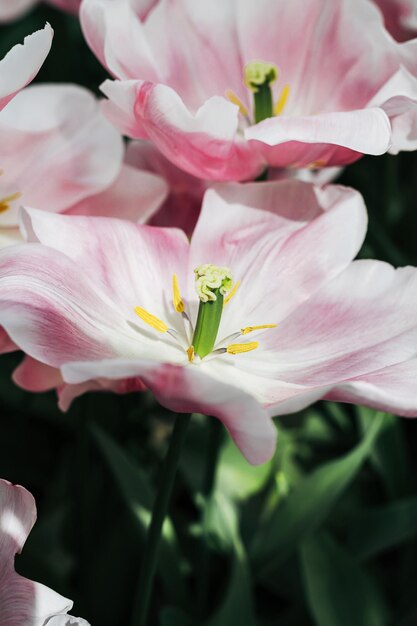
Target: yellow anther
[(316, 165), (231, 293), (282, 100), (230, 95), (250, 329), (239, 348), (176, 296), (190, 353), (150, 319), (5, 202)]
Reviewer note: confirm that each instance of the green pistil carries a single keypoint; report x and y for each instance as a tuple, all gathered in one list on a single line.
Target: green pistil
[(212, 284), (258, 78)]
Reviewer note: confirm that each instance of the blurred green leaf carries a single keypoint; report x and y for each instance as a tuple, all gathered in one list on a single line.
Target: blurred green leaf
[(389, 454), (374, 531), (308, 505), (174, 617), (236, 606), (138, 497), (339, 592), (235, 476)]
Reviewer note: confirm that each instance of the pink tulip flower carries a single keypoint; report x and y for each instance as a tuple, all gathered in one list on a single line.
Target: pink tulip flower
[(13, 9), (23, 602), (400, 17), (114, 305), (58, 153), (226, 89), (20, 66)]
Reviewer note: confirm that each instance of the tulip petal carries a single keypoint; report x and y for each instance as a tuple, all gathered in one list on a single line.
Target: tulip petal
[(21, 600), (185, 389), (357, 324), (365, 131), (271, 250), (57, 149), (132, 264), (135, 195), (20, 66)]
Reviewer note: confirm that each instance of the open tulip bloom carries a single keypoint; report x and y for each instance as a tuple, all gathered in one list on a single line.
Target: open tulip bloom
[(263, 313), (226, 89), (22, 601)]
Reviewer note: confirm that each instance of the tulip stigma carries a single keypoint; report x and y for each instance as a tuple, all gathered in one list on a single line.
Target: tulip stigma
[(212, 284), (258, 77)]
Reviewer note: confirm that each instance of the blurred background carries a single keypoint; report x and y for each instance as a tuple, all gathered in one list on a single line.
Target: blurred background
[(325, 534)]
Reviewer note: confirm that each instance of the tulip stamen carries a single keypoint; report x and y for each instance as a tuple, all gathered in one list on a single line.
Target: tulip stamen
[(230, 95), (5, 202), (282, 100), (240, 348), (176, 296), (231, 293), (151, 320), (251, 329)]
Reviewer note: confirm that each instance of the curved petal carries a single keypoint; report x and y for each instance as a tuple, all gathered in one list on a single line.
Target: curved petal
[(133, 265), (6, 344), (20, 66), (203, 143), (135, 195), (398, 98), (57, 149), (35, 376), (367, 131), (391, 389), (17, 517), (184, 390), (359, 323), (52, 312), (21, 601), (282, 254)]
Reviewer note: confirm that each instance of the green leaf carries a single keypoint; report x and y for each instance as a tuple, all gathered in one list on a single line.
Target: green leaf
[(235, 476), (308, 505), (389, 455), (338, 591), (138, 498), (376, 530), (236, 606)]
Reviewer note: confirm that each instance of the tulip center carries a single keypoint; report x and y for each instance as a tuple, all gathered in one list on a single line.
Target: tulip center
[(5, 202), (258, 76), (215, 288)]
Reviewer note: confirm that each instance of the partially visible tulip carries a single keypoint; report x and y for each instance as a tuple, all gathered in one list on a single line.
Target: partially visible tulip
[(277, 317), (58, 153), (227, 89), (22, 601), (20, 66)]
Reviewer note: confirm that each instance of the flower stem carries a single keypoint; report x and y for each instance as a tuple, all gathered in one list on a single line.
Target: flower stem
[(153, 540)]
